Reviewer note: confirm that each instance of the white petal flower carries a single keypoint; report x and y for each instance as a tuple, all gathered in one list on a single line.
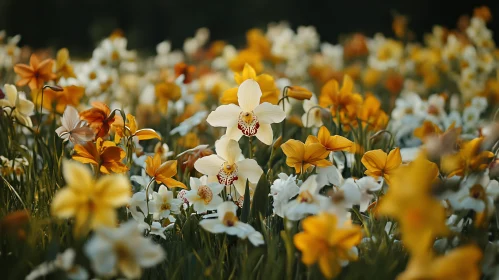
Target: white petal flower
[(250, 118), (227, 222), (165, 203), (313, 114), (74, 129), (282, 190), (15, 103), (308, 201), (204, 196)]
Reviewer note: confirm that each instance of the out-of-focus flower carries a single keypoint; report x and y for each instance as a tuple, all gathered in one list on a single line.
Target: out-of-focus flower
[(17, 105), (35, 74), (163, 150), (308, 201), (63, 261), (163, 172), (469, 158), (190, 156), (328, 243), (227, 222), (186, 70), (250, 118), (165, 204), (166, 92), (228, 166), (99, 118), (343, 99), (59, 99), (282, 190), (123, 250), (247, 56), (62, 67), (204, 196), (92, 203), (301, 155), (187, 125), (270, 93), (380, 164), (74, 129), (104, 155)]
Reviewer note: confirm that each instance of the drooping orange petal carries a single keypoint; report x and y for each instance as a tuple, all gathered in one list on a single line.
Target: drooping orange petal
[(146, 134)]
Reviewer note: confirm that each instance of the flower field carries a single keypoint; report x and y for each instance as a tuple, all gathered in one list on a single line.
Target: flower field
[(283, 158)]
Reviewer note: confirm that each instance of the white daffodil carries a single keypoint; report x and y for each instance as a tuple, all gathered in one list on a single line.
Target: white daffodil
[(313, 113), (329, 175), (16, 104), (122, 249), (477, 192), (308, 201), (229, 166), (204, 196), (227, 222), (282, 190), (163, 150), (74, 129), (165, 203), (367, 185), (250, 118), (138, 206)]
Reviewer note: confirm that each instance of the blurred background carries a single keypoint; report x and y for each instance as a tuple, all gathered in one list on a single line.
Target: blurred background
[(79, 24)]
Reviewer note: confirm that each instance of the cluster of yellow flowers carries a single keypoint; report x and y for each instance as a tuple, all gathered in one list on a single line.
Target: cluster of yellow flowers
[(337, 151)]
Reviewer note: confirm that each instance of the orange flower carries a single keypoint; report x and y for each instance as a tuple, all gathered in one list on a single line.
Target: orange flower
[(371, 113), (104, 155), (99, 118), (244, 57), (62, 66), (470, 158), (343, 99), (379, 164), (301, 155), (331, 143), (163, 173), (426, 129), (129, 129), (35, 74), (299, 93), (165, 92), (182, 68), (69, 95)]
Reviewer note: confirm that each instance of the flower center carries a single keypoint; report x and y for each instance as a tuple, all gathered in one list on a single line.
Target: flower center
[(165, 206), (305, 197), (205, 194), (248, 123), (229, 219), (227, 174), (477, 192), (123, 252)]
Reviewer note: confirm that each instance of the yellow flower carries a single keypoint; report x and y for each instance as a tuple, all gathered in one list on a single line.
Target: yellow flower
[(165, 92), (379, 164), (331, 143), (92, 203), (461, 263), (129, 129), (343, 99), (299, 93), (325, 242), (62, 67), (189, 141), (469, 158), (371, 113), (301, 155), (247, 56), (257, 42), (426, 129), (409, 200), (104, 155), (163, 172), (270, 93)]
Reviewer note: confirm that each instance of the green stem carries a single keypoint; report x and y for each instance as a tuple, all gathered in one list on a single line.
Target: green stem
[(250, 151), (147, 198)]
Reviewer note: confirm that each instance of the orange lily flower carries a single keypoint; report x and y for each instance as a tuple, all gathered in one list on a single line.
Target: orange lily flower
[(163, 172), (69, 95), (379, 164), (104, 155), (129, 129), (35, 74), (331, 143), (303, 155), (99, 118)]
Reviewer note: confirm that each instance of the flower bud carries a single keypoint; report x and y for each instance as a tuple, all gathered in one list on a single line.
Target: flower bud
[(299, 93)]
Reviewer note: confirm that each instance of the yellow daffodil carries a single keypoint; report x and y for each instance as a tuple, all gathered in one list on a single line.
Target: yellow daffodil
[(165, 92), (247, 56), (343, 99), (331, 143), (270, 93), (163, 172), (379, 164), (409, 200), (103, 155), (62, 67), (325, 242), (469, 158), (129, 129), (249, 118), (92, 203), (371, 114), (426, 129), (301, 155)]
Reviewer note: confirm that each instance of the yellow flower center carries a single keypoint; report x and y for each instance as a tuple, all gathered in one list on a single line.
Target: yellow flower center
[(123, 252), (248, 123), (165, 206), (229, 219), (477, 192), (305, 197), (205, 194), (227, 174), (92, 75)]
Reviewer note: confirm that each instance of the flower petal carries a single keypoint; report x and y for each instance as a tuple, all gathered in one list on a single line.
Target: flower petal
[(268, 113), (249, 168), (224, 116), (209, 165), (248, 95), (265, 134)]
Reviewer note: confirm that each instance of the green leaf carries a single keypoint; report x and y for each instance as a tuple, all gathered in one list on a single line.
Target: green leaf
[(261, 198), (246, 204)]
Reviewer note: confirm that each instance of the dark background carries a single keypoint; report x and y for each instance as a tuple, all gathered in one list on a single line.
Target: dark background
[(78, 24)]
